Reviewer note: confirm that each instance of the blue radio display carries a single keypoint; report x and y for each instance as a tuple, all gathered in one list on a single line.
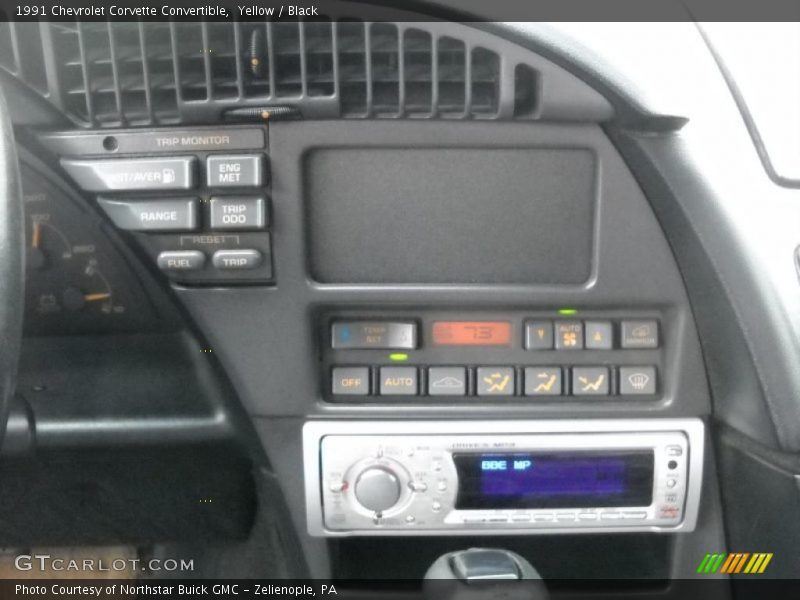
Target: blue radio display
[(572, 479)]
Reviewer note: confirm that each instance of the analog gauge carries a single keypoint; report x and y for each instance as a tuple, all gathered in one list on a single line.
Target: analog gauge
[(76, 280)]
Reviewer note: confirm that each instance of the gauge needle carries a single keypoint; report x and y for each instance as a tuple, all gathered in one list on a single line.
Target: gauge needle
[(97, 297), (37, 234)]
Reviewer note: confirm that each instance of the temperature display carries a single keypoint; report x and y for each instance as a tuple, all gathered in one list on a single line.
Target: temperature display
[(471, 333)]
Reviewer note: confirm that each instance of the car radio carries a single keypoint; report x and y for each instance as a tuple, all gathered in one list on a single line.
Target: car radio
[(440, 478)]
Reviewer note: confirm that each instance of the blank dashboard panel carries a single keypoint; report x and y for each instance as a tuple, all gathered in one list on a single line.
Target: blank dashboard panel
[(447, 215)]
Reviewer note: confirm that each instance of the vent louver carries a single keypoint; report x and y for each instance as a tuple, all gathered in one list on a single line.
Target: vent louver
[(136, 74)]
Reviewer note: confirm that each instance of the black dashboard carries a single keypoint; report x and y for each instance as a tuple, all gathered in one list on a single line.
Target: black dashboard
[(291, 226)]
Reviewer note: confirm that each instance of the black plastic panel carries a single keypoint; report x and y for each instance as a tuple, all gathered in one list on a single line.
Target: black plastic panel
[(400, 215)]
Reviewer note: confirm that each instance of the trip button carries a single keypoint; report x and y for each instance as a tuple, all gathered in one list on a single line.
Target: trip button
[(136, 174), (241, 170), (236, 259), (237, 212), (177, 214), (181, 260)]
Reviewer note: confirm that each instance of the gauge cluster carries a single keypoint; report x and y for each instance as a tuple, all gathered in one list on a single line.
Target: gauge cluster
[(76, 279)]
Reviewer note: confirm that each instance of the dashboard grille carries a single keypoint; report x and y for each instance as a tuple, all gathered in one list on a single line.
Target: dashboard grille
[(136, 74)]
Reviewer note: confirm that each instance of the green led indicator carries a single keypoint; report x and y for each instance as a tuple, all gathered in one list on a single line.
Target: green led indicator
[(398, 357), (568, 312)]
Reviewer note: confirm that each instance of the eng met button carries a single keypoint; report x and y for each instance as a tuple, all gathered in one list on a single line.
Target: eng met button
[(241, 170), (176, 214), (133, 174)]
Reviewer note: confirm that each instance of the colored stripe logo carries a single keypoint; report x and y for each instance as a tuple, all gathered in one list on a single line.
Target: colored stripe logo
[(735, 562)]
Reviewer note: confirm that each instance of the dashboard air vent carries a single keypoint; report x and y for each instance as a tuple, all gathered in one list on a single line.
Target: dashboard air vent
[(136, 74)]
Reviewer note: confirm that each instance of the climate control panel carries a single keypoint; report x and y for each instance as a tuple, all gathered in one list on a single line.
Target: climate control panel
[(513, 356)]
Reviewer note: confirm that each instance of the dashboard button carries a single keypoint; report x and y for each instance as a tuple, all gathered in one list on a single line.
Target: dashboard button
[(611, 516), (447, 381), (590, 381), (569, 335), (495, 381), (543, 381), (539, 335), (599, 335), (237, 212), (399, 381), (351, 381), (181, 260), (236, 259), (134, 174), (640, 334), (392, 335), (241, 170), (177, 214), (637, 381)]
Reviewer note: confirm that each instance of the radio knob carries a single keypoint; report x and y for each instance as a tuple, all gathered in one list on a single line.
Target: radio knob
[(377, 488)]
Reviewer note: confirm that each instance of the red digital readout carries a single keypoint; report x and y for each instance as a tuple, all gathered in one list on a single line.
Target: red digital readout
[(471, 333)]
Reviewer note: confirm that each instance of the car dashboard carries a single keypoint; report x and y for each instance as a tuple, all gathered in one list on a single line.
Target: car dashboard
[(330, 299)]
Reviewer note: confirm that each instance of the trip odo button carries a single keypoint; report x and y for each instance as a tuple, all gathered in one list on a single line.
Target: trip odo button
[(237, 212)]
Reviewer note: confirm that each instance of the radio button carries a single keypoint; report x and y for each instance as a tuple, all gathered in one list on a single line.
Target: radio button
[(544, 517), (377, 489), (418, 486), (587, 516), (436, 506), (565, 517), (472, 520), (410, 519), (441, 485), (610, 516), (674, 451), (497, 520), (495, 381), (521, 518), (634, 515), (337, 486), (671, 483)]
